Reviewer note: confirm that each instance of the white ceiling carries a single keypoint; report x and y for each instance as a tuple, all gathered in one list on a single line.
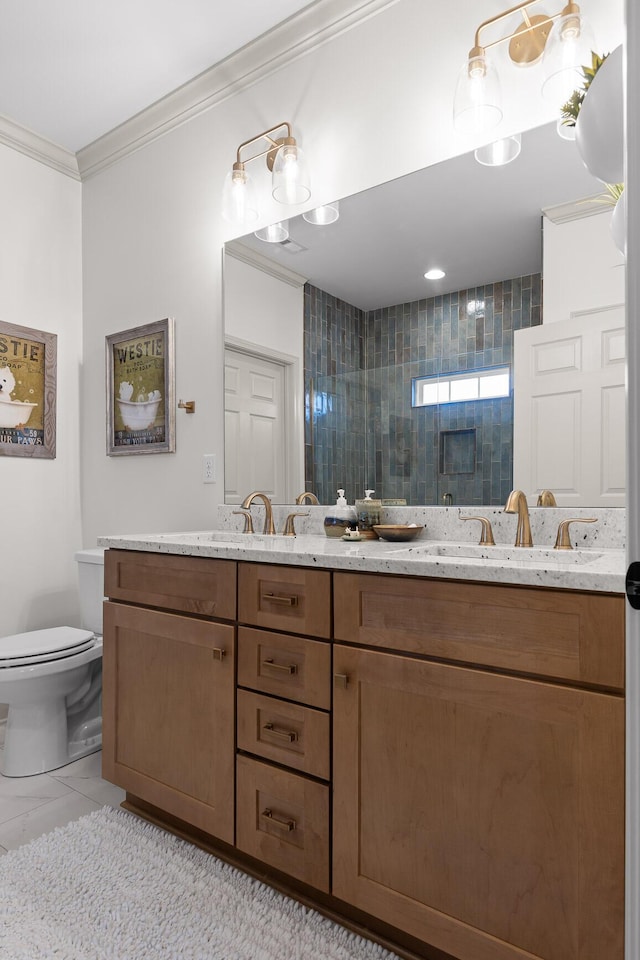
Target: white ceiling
[(72, 70)]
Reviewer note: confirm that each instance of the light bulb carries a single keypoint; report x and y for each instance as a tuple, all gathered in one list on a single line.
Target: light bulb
[(477, 105), (238, 197), (290, 182), (568, 48)]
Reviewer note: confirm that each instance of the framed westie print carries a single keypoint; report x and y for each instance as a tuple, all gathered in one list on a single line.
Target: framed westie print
[(28, 365), (141, 413)]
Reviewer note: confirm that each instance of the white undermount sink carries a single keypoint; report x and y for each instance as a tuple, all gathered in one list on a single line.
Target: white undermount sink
[(503, 554)]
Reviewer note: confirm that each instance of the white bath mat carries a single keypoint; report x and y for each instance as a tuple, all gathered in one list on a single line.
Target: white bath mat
[(112, 887)]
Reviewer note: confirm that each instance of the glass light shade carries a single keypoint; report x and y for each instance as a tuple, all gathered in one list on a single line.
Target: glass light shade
[(238, 198), (566, 132), (568, 48), (500, 152), (321, 216), (274, 233), (290, 178), (477, 106)]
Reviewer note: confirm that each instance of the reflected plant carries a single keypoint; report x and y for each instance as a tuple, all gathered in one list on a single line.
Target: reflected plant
[(569, 111)]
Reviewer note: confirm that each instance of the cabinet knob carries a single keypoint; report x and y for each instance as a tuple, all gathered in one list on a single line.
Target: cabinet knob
[(219, 653), (341, 680)]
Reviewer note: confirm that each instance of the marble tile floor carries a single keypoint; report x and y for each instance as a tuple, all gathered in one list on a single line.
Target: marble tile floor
[(31, 806)]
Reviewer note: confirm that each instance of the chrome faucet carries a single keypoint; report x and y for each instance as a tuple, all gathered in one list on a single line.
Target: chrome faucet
[(307, 497), (517, 503), (268, 511)]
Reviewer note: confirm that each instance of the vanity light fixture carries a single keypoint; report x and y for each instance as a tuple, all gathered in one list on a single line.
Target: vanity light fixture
[(563, 38), (500, 152), (322, 216), (289, 180), (434, 274)]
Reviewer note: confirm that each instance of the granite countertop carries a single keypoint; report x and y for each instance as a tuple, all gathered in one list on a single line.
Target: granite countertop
[(593, 569)]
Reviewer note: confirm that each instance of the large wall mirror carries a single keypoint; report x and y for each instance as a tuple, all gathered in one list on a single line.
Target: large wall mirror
[(345, 313)]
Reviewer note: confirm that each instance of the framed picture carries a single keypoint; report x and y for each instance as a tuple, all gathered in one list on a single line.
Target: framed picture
[(141, 414), (28, 365)]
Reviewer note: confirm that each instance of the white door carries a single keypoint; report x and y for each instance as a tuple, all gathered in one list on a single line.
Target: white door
[(569, 409), (254, 439)]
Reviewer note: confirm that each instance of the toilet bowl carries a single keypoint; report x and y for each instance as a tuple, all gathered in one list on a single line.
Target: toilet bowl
[(51, 680)]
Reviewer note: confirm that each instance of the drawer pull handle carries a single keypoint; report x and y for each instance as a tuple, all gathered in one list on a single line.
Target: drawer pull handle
[(290, 601), (289, 735), (341, 680), (219, 653), (290, 668), (288, 825)]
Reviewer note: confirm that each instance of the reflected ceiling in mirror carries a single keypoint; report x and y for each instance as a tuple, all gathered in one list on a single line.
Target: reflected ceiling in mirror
[(480, 224)]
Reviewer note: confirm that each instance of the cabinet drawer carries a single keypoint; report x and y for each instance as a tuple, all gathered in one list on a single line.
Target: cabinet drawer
[(555, 633), (189, 584), (285, 598), (295, 736), (283, 820), (286, 666)]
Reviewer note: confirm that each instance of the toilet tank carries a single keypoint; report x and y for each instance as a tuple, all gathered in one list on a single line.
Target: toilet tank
[(91, 587)]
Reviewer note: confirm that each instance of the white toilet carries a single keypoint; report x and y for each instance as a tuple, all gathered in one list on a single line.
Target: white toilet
[(52, 681)]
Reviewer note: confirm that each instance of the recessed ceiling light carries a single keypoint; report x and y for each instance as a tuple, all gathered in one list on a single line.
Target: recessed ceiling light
[(435, 274)]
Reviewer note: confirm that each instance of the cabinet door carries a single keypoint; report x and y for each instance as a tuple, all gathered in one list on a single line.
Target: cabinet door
[(168, 705), (483, 814)]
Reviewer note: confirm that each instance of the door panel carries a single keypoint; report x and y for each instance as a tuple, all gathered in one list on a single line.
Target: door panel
[(254, 427), (569, 411)]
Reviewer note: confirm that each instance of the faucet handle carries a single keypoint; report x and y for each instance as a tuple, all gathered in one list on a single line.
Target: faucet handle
[(546, 499), (486, 535), (289, 528), (248, 520), (563, 541)]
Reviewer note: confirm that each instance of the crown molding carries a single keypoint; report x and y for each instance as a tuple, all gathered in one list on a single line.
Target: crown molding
[(238, 250), (290, 40), (38, 148), (577, 209)]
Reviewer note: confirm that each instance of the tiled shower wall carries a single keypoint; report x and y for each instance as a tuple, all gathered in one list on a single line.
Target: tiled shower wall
[(360, 427)]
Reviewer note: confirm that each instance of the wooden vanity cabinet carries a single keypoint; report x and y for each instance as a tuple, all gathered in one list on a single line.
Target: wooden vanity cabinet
[(443, 756), (169, 686), (478, 811)]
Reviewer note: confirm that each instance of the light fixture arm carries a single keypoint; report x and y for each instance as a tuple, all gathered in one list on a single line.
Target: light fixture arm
[(270, 151), (478, 49)]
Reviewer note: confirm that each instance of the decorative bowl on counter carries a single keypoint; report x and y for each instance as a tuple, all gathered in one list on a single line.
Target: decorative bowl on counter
[(398, 532)]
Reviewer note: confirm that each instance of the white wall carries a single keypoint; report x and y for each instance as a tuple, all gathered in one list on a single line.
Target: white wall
[(582, 267), (371, 104), (41, 287), (263, 309)]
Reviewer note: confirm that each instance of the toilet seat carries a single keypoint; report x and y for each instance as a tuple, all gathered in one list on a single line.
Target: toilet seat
[(43, 646)]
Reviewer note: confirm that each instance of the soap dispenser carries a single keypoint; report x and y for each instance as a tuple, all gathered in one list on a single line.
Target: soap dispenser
[(340, 517), (368, 515)]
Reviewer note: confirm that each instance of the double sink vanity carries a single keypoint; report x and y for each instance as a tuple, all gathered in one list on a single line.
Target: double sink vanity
[(425, 741)]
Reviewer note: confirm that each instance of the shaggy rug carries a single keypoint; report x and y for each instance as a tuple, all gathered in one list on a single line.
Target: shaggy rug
[(112, 887)]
